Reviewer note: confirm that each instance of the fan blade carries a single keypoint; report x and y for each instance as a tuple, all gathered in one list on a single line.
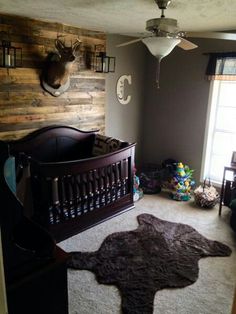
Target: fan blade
[(186, 44), (129, 42), (213, 35)]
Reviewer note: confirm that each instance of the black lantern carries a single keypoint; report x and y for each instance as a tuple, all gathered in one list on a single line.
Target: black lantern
[(10, 57), (102, 62)]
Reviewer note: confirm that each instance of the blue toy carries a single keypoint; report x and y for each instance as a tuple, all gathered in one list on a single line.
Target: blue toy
[(182, 183), (138, 192)]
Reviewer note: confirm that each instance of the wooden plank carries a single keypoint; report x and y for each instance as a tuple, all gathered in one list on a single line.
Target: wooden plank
[(14, 135), (20, 87), (4, 96), (33, 64), (67, 37), (35, 25), (17, 134), (28, 22), (28, 94), (5, 80), (19, 72), (88, 85), (99, 101), (41, 36), (35, 40), (30, 48), (20, 83), (41, 94), (61, 120), (3, 71), (87, 74), (97, 94), (47, 116), (24, 105), (35, 73), (75, 109), (44, 101)]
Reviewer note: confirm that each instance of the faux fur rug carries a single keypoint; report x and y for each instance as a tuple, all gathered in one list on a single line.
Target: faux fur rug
[(157, 255)]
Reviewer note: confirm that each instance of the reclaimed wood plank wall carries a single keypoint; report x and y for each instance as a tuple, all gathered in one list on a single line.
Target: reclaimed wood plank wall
[(24, 105)]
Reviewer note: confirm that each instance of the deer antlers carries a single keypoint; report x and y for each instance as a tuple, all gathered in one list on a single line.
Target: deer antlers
[(61, 47), (76, 44)]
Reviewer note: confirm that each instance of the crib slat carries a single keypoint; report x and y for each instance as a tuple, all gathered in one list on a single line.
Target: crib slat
[(84, 195), (78, 195), (69, 196), (55, 197), (110, 183), (124, 176), (90, 191), (73, 196), (106, 184), (55, 201), (106, 177), (113, 184), (119, 181), (63, 201), (52, 200), (96, 188), (102, 198)]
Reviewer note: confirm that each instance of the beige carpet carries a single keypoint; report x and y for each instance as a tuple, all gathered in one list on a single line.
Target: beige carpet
[(212, 293)]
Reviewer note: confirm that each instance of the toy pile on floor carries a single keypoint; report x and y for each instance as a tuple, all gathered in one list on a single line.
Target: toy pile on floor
[(182, 182), (172, 175), (150, 178), (138, 192)]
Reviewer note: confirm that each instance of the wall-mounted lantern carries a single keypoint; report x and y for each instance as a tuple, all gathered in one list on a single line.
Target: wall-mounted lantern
[(10, 57), (102, 62)]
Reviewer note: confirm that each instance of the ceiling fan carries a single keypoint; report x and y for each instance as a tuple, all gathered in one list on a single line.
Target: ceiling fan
[(165, 35)]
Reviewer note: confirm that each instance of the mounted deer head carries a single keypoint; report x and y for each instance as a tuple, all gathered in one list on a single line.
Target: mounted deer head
[(56, 74)]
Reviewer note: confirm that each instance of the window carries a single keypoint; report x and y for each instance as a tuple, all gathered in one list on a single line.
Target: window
[(220, 140)]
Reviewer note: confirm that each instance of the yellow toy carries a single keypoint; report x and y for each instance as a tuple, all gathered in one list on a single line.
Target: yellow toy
[(182, 182)]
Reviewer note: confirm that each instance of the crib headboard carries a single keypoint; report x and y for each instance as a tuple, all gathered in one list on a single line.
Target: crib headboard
[(55, 143)]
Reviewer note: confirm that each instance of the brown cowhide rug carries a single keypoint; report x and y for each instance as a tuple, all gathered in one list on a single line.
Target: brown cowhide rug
[(157, 255)]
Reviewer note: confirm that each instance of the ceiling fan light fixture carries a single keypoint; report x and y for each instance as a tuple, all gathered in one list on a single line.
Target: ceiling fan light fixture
[(163, 4), (160, 47)]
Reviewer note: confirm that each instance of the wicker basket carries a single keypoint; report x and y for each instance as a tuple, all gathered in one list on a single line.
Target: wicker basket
[(206, 196)]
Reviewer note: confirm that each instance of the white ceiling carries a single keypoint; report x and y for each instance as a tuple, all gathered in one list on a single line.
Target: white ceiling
[(127, 16)]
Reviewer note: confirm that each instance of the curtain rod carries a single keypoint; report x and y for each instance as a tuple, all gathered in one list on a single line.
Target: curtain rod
[(219, 53)]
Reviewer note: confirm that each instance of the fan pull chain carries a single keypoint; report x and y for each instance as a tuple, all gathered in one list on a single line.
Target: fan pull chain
[(158, 73)]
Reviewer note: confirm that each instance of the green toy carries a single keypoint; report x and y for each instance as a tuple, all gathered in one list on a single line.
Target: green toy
[(182, 182)]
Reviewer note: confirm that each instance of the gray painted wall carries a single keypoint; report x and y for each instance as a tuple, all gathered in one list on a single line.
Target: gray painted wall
[(175, 116), (125, 121), (171, 121)]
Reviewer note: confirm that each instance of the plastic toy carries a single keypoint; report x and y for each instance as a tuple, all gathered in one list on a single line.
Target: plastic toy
[(182, 182), (138, 192)]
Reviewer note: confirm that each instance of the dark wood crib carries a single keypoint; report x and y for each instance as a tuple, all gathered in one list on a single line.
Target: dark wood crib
[(75, 183)]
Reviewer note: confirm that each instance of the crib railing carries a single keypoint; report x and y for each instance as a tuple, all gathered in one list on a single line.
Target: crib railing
[(72, 196)]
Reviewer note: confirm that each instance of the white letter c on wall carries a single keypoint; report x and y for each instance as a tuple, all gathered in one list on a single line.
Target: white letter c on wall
[(120, 89)]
